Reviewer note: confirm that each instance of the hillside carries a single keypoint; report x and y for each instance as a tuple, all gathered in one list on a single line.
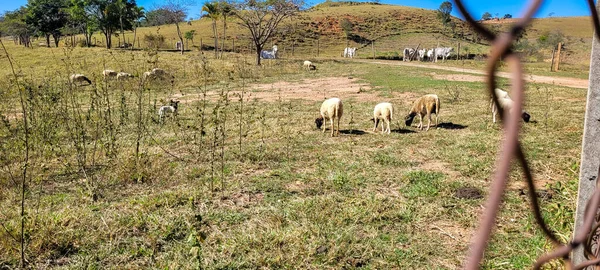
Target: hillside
[(318, 32), (390, 27)]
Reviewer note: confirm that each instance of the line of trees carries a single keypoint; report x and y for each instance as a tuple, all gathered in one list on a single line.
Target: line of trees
[(57, 18)]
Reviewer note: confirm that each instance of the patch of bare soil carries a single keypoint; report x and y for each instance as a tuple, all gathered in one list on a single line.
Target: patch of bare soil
[(310, 89), (439, 166), (469, 193), (458, 77), (241, 199), (314, 89), (539, 184), (297, 187), (453, 231)]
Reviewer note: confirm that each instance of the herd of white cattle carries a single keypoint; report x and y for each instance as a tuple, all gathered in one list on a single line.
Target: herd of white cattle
[(424, 54), (409, 54)]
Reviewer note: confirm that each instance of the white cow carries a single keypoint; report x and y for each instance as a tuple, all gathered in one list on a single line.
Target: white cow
[(421, 54), (350, 52), (443, 52), (430, 54), (269, 54), (408, 52)]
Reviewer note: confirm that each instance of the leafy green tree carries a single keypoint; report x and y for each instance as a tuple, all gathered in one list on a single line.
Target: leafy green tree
[(48, 17), (109, 14), (189, 35), (13, 23), (486, 16), (443, 13), (213, 12), (507, 16), (550, 39), (79, 18), (262, 17), (347, 26)]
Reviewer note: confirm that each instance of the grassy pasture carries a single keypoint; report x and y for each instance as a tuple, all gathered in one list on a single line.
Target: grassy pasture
[(237, 185)]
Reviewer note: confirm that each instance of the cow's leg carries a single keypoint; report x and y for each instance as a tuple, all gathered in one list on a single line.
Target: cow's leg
[(428, 121), (376, 122), (332, 129), (420, 122), (388, 125)]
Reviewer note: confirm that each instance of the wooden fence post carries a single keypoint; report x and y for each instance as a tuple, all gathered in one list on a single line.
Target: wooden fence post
[(557, 58), (373, 48), (318, 47), (458, 52), (552, 63)]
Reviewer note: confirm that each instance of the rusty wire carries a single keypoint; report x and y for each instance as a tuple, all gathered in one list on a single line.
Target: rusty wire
[(502, 49)]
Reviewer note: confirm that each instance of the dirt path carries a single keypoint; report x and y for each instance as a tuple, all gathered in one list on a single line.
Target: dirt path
[(562, 81)]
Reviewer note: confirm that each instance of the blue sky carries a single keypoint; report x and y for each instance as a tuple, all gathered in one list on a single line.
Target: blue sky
[(477, 7)]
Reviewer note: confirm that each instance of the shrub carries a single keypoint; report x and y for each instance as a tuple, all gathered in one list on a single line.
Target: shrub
[(154, 41)]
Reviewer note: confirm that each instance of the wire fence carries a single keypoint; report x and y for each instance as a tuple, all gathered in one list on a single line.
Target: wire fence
[(586, 235)]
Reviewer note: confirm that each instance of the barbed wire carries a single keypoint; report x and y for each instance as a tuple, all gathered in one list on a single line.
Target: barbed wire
[(502, 49)]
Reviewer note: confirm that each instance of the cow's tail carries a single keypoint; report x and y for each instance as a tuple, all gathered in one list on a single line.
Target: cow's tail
[(437, 106)]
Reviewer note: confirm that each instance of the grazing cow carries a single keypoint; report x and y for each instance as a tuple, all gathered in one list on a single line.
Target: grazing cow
[(269, 54), (430, 54), (507, 104), (123, 76), (178, 45), (350, 52), (164, 111), (421, 54), (443, 52), (408, 52), (109, 73), (79, 79)]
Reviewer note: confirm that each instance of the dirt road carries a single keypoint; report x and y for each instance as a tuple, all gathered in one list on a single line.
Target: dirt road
[(562, 81)]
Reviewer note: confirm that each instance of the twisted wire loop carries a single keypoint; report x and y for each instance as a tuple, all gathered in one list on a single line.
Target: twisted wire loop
[(502, 49)]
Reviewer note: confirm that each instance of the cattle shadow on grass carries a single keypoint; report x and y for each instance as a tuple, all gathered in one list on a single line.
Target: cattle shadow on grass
[(450, 125), (352, 132), (403, 131)]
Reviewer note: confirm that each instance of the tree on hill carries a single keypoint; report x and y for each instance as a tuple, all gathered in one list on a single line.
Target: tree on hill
[(225, 9), (486, 16), (443, 12), (212, 10), (189, 35), (347, 26), (177, 9), (138, 15), (108, 15), (47, 17), (159, 17), (507, 16), (82, 20), (262, 17)]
